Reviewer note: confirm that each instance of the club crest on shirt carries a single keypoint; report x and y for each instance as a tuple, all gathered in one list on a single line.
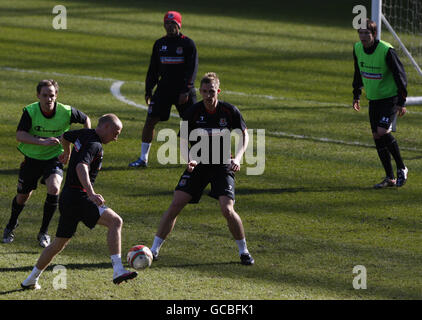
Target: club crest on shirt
[(223, 122), (179, 50), (77, 145), (182, 182)]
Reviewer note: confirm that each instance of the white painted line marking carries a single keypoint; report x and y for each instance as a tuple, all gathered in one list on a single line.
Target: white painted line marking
[(116, 92)]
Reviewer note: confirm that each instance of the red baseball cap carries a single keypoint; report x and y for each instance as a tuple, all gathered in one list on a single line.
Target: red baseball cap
[(174, 16)]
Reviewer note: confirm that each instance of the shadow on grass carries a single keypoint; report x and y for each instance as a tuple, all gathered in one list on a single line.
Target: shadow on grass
[(249, 191), (9, 172), (11, 291), (193, 265), (153, 166), (328, 12), (71, 266), (19, 252)]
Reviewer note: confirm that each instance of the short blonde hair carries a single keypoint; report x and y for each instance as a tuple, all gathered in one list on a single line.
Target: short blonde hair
[(210, 77)]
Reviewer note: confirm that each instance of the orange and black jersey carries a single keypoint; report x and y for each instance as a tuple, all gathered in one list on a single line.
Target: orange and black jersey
[(173, 65), (87, 148)]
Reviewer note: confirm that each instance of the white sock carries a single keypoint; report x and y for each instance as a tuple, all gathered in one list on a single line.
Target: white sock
[(156, 245), (116, 261), (145, 147), (242, 246), (33, 277)]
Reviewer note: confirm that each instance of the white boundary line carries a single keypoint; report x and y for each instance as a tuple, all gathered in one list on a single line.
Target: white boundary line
[(349, 143), (116, 92)]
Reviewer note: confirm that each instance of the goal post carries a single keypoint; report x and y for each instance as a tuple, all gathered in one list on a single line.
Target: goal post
[(400, 23)]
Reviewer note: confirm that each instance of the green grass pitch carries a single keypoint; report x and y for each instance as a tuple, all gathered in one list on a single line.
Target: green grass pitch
[(309, 219)]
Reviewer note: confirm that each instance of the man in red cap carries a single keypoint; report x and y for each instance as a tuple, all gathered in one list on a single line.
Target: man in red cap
[(172, 70)]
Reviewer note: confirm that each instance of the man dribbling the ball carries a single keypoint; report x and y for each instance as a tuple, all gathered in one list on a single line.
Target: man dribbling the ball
[(78, 200)]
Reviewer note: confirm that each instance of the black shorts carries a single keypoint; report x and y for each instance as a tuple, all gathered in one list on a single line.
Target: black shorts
[(162, 101), (220, 177), (75, 206), (31, 170), (383, 113)]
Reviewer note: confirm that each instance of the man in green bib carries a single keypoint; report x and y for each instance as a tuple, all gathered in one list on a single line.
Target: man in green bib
[(379, 70), (39, 132)]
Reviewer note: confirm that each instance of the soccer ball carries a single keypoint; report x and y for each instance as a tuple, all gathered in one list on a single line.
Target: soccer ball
[(139, 257)]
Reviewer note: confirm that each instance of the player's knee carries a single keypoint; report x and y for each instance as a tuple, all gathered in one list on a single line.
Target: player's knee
[(151, 122), (117, 222), (180, 200), (58, 245), (381, 132), (228, 212), (22, 198), (376, 136), (54, 190), (54, 187)]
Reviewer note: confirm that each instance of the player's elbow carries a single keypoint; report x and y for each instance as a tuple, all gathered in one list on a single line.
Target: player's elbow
[(20, 136), (82, 168), (87, 123)]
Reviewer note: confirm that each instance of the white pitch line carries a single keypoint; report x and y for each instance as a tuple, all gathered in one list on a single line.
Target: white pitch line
[(116, 92), (262, 96), (350, 143), (58, 74), (267, 97)]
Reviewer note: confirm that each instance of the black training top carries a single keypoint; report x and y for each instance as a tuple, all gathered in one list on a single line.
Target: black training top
[(87, 149), (226, 116), (173, 65)]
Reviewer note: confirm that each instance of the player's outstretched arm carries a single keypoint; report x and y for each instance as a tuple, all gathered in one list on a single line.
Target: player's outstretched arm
[(25, 137)]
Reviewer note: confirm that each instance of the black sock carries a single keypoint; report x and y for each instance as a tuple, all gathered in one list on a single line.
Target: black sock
[(16, 211), (385, 157), (50, 206), (393, 147)]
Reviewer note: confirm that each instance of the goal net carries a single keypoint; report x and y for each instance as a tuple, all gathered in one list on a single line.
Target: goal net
[(402, 27)]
